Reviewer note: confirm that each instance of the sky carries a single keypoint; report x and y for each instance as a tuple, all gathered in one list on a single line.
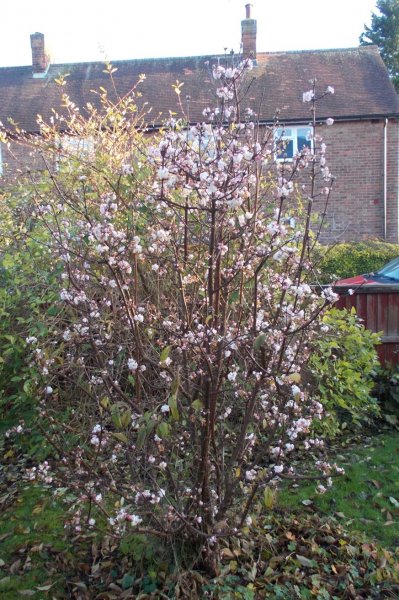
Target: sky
[(88, 30)]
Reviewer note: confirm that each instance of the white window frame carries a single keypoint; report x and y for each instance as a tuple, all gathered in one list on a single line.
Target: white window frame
[(290, 133)]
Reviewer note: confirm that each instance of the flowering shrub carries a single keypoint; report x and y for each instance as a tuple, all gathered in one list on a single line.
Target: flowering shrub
[(188, 315)]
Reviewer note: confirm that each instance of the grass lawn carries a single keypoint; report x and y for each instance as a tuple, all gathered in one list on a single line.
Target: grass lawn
[(366, 498), (39, 559), (31, 534)]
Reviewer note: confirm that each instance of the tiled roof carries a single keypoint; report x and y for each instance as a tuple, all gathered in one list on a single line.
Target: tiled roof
[(362, 86)]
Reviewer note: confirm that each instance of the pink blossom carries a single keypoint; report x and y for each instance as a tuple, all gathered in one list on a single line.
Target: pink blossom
[(308, 96)]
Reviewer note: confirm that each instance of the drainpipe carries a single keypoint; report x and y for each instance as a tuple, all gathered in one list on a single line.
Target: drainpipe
[(397, 185), (385, 178)]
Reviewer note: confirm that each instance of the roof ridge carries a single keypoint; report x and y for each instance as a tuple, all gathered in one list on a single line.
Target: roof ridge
[(204, 57), (323, 50)]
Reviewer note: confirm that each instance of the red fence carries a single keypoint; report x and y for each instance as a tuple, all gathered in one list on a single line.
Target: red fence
[(378, 306)]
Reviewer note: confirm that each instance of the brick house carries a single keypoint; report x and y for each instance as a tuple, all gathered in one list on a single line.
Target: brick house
[(363, 144)]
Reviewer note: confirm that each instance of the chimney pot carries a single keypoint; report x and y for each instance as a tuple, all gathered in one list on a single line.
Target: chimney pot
[(40, 59), (248, 11)]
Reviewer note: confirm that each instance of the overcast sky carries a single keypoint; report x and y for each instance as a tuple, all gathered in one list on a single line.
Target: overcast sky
[(86, 30)]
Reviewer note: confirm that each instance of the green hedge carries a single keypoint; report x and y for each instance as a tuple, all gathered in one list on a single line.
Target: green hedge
[(354, 258), (341, 371)]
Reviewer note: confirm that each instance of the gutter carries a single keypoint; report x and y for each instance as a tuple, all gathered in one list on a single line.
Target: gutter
[(397, 200), (268, 122), (341, 119)]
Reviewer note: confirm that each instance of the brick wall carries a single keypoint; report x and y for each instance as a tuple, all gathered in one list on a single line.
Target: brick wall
[(16, 160), (355, 153), (356, 159)]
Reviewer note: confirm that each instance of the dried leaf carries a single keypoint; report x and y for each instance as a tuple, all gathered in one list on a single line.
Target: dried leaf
[(305, 562), (307, 502), (376, 483), (44, 588), (15, 567), (227, 553)]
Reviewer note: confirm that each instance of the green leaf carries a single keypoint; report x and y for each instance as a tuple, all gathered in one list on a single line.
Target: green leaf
[(104, 402), (268, 497), (127, 581), (234, 297), (116, 418), (141, 436), (259, 341), (120, 436), (145, 429), (8, 261), (126, 418), (175, 385), (163, 430), (165, 354), (197, 404), (172, 402)]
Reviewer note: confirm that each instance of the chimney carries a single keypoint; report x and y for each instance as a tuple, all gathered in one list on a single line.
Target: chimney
[(40, 59), (248, 34)]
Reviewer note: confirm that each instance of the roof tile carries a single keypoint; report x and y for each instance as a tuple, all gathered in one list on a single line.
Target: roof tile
[(362, 86)]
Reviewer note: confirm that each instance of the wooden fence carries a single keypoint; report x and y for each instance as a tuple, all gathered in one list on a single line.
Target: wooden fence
[(378, 306)]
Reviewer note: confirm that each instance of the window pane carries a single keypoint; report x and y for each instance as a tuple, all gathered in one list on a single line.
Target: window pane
[(303, 140), (287, 149), (283, 132)]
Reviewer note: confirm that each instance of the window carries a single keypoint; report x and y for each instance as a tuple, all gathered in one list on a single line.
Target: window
[(202, 141), (291, 140), (77, 146)]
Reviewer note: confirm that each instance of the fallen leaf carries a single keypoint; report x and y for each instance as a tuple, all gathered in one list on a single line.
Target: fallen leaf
[(15, 567), (44, 588), (305, 562), (227, 553), (79, 584), (376, 483)]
